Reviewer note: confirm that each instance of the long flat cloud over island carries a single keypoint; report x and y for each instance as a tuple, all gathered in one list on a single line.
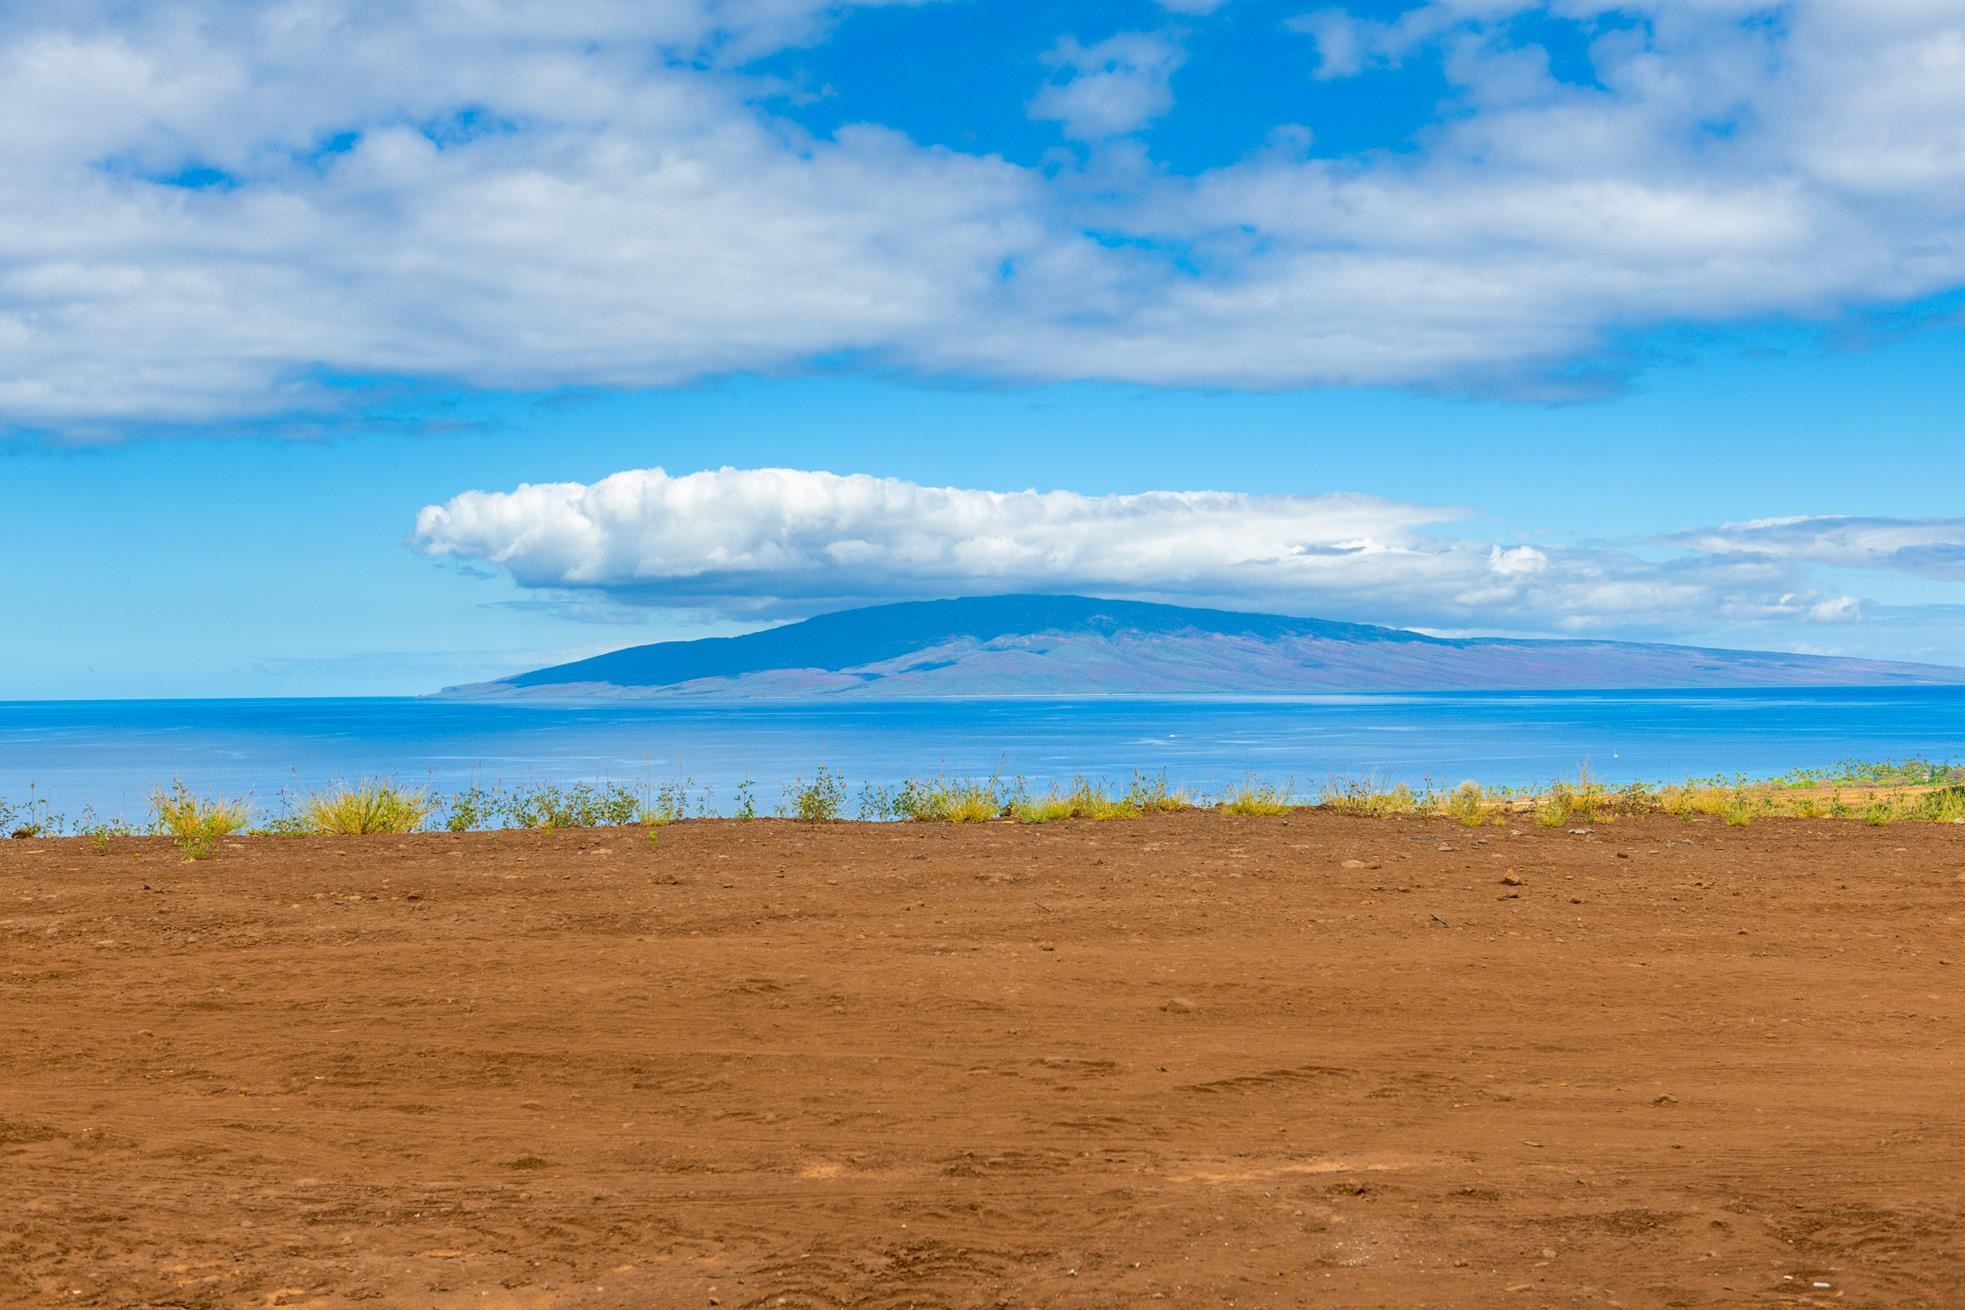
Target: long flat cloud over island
[(772, 543)]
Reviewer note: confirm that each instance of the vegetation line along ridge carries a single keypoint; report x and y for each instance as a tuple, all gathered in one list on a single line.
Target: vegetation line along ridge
[(1874, 792)]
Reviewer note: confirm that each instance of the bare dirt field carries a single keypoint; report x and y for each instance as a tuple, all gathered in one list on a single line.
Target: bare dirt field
[(1196, 1060)]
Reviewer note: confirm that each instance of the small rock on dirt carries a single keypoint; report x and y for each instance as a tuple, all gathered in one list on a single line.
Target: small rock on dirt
[(1179, 1005), (1511, 879)]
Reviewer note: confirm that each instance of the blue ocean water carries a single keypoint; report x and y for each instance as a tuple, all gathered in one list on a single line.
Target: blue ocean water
[(111, 754)]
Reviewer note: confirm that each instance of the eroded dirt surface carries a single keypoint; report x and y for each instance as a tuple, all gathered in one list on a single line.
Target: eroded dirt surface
[(1197, 1060)]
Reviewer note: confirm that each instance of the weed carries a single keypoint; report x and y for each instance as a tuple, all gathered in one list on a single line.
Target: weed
[(1945, 805), (471, 809), (100, 831), (1149, 793), (581, 805), (1552, 811), (669, 803), (1633, 798), (33, 819), (196, 823), (746, 800), (817, 801)]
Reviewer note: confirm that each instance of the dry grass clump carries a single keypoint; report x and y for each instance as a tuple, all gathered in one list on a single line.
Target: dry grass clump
[(1085, 799), (1048, 808), (367, 807), (195, 822), (968, 803), (1368, 799), (936, 800), (1468, 804), (1253, 796)]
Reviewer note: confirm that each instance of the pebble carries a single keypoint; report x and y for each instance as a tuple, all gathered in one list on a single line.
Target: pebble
[(1179, 1005), (1511, 879)]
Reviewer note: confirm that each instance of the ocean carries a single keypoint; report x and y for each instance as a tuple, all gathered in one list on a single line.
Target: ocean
[(110, 755)]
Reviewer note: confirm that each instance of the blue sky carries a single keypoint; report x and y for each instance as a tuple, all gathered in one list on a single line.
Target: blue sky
[(350, 348)]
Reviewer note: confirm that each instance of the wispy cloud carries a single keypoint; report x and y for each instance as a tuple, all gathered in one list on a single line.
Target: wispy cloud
[(785, 542), (1928, 547), (209, 207)]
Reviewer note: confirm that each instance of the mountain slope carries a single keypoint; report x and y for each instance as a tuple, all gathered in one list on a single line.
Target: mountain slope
[(1075, 645)]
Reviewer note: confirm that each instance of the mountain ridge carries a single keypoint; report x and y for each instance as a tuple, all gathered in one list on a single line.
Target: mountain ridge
[(1063, 646)]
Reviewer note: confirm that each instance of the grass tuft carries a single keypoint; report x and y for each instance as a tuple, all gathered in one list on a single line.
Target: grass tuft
[(936, 800), (1084, 799), (195, 822), (1253, 796), (368, 807), (1468, 804), (1366, 798)]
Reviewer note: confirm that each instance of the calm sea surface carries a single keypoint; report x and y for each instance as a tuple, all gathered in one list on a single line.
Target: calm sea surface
[(110, 754)]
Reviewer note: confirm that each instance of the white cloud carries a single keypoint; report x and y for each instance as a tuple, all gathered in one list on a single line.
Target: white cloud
[(507, 195), (1931, 547), (787, 542), (1837, 609), (1111, 88)]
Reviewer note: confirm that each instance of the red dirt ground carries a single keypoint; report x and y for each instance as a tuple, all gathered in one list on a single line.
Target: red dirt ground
[(1195, 1060)]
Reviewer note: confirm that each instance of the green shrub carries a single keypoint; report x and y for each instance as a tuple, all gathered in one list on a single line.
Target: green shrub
[(471, 809), (580, 805), (817, 801)]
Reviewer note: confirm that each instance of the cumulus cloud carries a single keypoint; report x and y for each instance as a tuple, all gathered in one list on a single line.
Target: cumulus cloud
[(1930, 547), (787, 542), (1111, 88), (222, 208)]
